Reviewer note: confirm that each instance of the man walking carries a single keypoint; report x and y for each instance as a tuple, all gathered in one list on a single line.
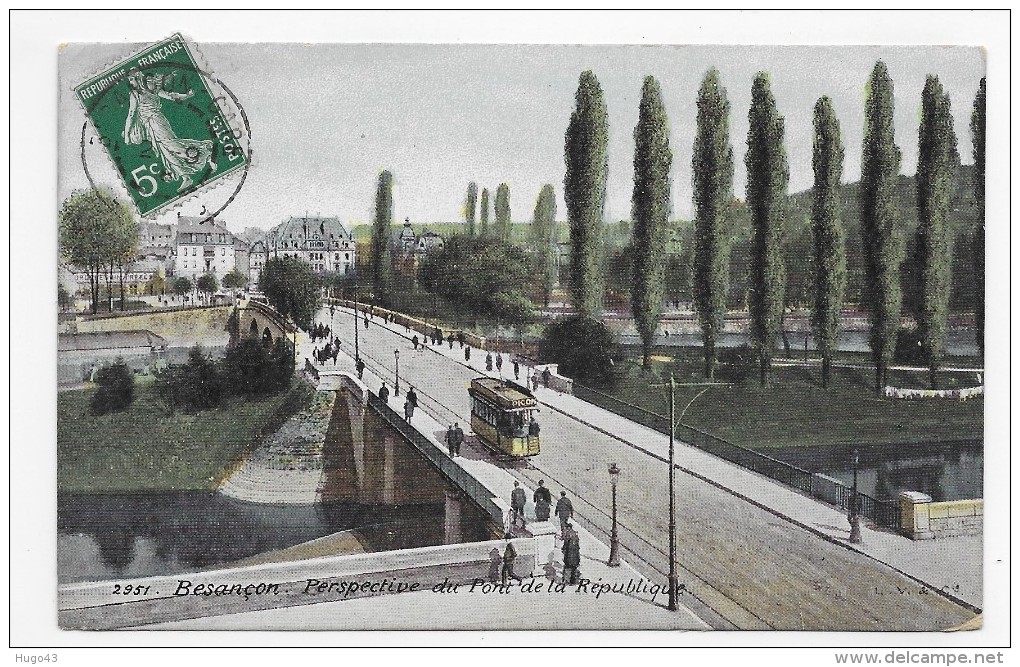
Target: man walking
[(518, 499), (414, 341), (543, 502), (449, 440), (412, 399), (509, 556), (499, 361), (360, 367), (488, 361), (517, 370), (571, 555), (384, 393), (458, 438), (564, 510), (467, 353)]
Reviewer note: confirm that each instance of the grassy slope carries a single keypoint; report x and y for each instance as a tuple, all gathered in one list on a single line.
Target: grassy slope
[(144, 449), (796, 411)]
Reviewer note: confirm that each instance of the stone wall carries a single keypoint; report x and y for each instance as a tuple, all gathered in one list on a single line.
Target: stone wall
[(181, 327), (923, 519)]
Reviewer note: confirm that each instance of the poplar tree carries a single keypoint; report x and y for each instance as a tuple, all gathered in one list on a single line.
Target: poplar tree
[(586, 152), (543, 237), (502, 209), (767, 177), (650, 212), (829, 251), (935, 145), (381, 234), (977, 130), (483, 214), (883, 248), (470, 204), (713, 191)]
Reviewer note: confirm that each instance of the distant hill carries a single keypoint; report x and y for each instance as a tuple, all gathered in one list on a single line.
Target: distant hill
[(962, 221)]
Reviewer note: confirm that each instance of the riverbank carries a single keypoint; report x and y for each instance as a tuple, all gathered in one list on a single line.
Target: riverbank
[(794, 411), (145, 449)]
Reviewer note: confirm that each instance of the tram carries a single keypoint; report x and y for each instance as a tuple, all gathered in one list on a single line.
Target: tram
[(503, 416)]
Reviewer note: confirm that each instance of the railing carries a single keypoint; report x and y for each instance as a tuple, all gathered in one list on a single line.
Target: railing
[(881, 512)]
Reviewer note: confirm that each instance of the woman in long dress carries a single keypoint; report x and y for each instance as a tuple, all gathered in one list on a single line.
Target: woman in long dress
[(181, 158)]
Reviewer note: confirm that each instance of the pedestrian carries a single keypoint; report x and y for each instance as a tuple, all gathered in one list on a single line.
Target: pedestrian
[(384, 393), (467, 353), (366, 322), (449, 440), (571, 555), (564, 510), (408, 409), (437, 336), (547, 376), (414, 341), (458, 438), (412, 398), (315, 353), (336, 351), (518, 499), (499, 361), (543, 501), (488, 361), (529, 381), (460, 338), (517, 370), (449, 339), (509, 556), (533, 427), (360, 367)]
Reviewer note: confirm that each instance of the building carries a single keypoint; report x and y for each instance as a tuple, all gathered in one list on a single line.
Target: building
[(408, 248), (258, 254), (203, 246), (323, 242)]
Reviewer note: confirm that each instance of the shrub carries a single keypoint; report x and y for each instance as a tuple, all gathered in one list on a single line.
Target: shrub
[(249, 369), (736, 364), (584, 348), (909, 349), (193, 386), (116, 389)]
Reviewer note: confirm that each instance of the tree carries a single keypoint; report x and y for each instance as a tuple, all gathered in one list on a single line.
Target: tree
[(89, 222), (767, 178), (586, 152), (195, 385), (651, 207), (486, 278), (583, 347), (125, 251), (827, 230), (292, 288), (383, 216), (935, 165), (65, 300), (883, 248), (543, 239), (469, 207), (157, 285), (483, 213), (116, 389), (207, 283), (181, 285), (977, 129), (713, 183), (235, 279), (249, 369), (502, 229)]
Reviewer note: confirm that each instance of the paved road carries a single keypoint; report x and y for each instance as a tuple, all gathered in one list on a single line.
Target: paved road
[(745, 567)]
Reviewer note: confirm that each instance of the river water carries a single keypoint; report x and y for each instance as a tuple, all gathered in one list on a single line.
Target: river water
[(124, 535), (944, 471)]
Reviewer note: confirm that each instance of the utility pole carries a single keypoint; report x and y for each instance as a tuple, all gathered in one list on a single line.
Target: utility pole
[(357, 354), (673, 602)]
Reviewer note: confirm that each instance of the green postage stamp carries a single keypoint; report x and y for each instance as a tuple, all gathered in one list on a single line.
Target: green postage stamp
[(166, 130)]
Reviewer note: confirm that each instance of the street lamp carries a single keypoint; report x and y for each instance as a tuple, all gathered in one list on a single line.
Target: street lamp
[(396, 385), (674, 603), (357, 354), (854, 516), (614, 540)]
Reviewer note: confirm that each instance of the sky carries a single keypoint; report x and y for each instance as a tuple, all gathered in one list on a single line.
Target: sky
[(327, 118)]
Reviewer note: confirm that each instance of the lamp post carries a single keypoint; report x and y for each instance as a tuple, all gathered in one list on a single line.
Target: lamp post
[(854, 516), (614, 540), (674, 603), (396, 385), (357, 354)]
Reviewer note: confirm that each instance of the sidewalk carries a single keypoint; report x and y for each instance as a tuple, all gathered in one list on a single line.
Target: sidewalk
[(952, 565), (576, 607)]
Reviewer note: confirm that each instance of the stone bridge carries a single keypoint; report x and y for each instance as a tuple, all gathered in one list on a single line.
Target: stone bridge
[(257, 320)]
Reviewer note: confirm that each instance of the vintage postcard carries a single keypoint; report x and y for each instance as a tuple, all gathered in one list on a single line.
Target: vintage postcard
[(520, 337)]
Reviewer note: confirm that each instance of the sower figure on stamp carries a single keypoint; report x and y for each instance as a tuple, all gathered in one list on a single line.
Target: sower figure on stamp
[(564, 510), (543, 502), (518, 499)]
